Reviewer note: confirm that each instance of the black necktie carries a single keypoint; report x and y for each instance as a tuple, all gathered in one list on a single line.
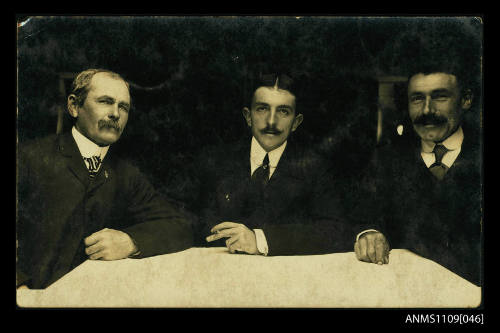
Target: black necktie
[(260, 176), (93, 164), (438, 169)]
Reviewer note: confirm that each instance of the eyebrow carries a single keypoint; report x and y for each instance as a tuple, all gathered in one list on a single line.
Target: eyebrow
[(441, 91), (261, 103), (111, 98), (279, 106), (436, 91), (124, 104), (105, 97)]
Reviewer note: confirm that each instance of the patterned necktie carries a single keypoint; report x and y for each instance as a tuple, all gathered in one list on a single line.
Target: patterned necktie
[(93, 164), (260, 176), (438, 169)]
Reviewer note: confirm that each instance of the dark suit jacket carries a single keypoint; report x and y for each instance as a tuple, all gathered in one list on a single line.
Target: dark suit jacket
[(295, 211), (58, 206), (440, 220)]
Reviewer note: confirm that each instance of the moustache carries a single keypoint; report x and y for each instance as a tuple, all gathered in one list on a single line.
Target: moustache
[(108, 124), (270, 130), (430, 120)]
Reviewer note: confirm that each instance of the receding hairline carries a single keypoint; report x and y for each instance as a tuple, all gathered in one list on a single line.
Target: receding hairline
[(111, 75), (82, 83)]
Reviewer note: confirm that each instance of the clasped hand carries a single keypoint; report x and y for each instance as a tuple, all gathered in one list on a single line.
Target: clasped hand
[(109, 244), (372, 247), (239, 237)]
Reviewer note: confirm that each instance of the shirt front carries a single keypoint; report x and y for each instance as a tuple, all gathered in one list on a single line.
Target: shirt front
[(89, 151), (454, 145), (257, 154), (92, 154)]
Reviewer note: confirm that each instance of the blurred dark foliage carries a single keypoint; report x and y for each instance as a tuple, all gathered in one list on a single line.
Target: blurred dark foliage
[(189, 77)]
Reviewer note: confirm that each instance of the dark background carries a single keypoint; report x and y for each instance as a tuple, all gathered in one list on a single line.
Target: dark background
[(189, 77)]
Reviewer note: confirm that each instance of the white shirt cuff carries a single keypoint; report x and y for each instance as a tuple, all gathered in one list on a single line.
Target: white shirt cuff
[(363, 232), (260, 238)]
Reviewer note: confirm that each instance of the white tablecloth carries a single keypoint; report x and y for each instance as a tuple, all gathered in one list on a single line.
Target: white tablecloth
[(211, 277)]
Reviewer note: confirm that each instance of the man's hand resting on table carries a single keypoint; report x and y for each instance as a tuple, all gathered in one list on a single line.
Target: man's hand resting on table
[(239, 237), (372, 247), (109, 244)]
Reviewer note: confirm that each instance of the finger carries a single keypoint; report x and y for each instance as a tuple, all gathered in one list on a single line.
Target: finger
[(102, 231), (92, 239), (97, 255), (236, 246), (370, 249), (363, 256), (231, 248), (231, 240), (94, 248), (356, 250), (379, 250), (221, 234), (213, 237), (224, 225)]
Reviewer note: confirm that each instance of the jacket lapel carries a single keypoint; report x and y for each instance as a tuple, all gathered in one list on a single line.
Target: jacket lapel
[(469, 160), (286, 168), (104, 173), (69, 149)]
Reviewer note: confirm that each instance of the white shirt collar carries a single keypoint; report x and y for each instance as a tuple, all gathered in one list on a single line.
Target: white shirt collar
[(454, 145), (453, 142), (88, 148), (257, 154)]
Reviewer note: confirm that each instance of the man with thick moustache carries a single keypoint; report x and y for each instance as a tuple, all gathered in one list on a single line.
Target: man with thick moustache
[(78, 201), (264, 195), (428, 187)]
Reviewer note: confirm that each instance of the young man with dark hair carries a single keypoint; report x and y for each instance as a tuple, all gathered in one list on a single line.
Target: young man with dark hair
[(265, 195)]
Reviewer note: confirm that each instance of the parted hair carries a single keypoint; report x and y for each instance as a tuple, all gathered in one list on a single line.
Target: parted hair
[(284, 81)]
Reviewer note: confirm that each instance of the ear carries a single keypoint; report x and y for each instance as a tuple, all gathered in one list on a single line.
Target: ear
[(72, 107), (297, 121), (467, 99), (248, 118)]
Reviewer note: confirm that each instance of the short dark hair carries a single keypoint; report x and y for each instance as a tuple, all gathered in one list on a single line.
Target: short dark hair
[(448, 47), (465, 79), (81, 83), (283, 81)]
